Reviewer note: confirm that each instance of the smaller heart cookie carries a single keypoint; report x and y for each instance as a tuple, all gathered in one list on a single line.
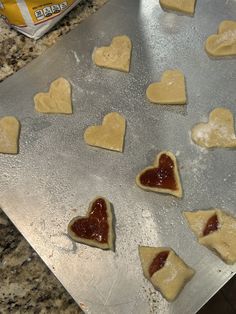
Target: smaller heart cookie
[(217, 132), (95, 229), (165, 270), (169, 91), (183, 6), (163, 177), (116, 56), (9, 135), (109, 135), (222, 44), (57, 100)]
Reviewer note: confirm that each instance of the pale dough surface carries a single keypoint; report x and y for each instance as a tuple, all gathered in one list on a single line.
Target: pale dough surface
[(116, 56), (223, 240), (111, 235), (9, 135), (223, 43), (57, 100), (178, 192), (217, 132), (109, 135), (184, 6), (172, 277), (170, 90)]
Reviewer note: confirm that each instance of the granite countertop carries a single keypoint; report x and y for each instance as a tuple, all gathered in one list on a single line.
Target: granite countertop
[(27, 285)]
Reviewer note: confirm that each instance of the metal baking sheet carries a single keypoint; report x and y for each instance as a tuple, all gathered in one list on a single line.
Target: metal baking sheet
[(56, 172)]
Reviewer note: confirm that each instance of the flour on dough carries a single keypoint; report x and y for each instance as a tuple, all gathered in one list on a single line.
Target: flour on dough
[(222, 44), (217, 132)]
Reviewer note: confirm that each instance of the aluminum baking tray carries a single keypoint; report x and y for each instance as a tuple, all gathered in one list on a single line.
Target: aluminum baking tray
[(56, 172)]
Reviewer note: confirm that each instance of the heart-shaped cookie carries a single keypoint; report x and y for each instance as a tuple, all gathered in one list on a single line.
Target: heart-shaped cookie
[(9, 135), (223, 43), (169, 91), (95, 229), (109, 135), (183, 6), (217, 132), (116, 56), (162, 177), (57, 100)]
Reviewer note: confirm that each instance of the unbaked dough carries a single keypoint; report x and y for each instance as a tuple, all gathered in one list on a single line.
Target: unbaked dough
[(222, 240), (109, 135), (116, 56), (217, 132), (170, 90), (223, 43), (57, 100), (91, 224), (9, 135), (183, 6), (172, 277), (161, 175)]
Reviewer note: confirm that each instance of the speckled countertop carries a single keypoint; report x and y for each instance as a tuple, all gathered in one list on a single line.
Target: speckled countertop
[(27, 285)]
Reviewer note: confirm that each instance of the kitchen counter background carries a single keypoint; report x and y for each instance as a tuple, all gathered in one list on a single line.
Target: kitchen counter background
[(27, 285)]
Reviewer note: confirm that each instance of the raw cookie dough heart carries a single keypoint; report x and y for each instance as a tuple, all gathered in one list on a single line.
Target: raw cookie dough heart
[(9, 135), (109, 135), (183, 6), (165, 270), (216, 230), (170, 90), (222, 44), (96, 228), (217, 132), (57, 100), (116, 56), (163, 177)]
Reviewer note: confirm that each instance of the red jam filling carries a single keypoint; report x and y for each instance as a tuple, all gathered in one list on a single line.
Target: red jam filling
[(211, 226), (161, 177), (94, 227), (158, 262)]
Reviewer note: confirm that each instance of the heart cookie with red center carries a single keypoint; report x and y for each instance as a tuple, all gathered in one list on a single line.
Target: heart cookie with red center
[(116, 56), (95, 229), (163, 177)]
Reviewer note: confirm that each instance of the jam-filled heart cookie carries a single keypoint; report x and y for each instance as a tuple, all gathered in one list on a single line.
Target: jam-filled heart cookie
[(95, 229), (217, 132), (116, 56), (57, 100), (183, 6), (9, 135), (216, 230), (222, 44), (109, 135), (170, 90), (165, 270), (162, 177)]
